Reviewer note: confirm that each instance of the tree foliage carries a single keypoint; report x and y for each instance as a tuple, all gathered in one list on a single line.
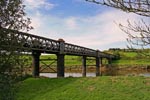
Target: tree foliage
[(140, 7), (138, 31), (12, 16)]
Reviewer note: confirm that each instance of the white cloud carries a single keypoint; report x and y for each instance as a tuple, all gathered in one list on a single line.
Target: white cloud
[(98, 32), (36, 22), (35, 4), (71, 23)]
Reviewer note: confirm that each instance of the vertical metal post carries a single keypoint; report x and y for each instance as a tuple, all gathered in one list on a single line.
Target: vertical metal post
[(109, 62), (60, 59), (35, 63), (97, 66), (101, 62), (84, 66), (60, 65), (97, 63)]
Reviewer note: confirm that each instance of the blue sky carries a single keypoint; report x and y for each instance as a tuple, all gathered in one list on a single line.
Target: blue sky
[(78, 22)]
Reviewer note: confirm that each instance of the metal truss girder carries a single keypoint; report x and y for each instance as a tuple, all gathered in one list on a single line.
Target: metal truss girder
[(30, 42)]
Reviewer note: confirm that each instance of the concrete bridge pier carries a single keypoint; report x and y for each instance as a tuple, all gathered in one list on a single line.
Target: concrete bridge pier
[(84, 66), (60, 65), (35, 63)]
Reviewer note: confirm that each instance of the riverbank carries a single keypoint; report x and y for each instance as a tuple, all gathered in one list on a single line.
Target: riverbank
[(95, 88)]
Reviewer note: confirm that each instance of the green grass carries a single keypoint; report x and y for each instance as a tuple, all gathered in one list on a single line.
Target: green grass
[(127, 58), (129, 54), (132, 62), (69, 60), (131, 58), (97, 88)]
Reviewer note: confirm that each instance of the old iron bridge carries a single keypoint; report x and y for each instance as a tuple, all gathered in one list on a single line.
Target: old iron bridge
[(36, 44)]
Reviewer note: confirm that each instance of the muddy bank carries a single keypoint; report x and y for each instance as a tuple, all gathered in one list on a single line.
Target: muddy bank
[(125, 70), (104, 70)]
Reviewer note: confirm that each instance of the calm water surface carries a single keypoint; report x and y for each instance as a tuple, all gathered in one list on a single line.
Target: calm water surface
[(124, 72), (54, 75)]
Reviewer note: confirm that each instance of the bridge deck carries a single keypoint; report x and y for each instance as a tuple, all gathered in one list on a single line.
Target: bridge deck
[(30, 42)]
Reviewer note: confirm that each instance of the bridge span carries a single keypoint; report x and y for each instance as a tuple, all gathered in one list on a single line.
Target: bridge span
[(36, 45)]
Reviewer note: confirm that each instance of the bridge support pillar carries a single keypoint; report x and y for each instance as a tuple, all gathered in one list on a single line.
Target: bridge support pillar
[(101, 62), (109, 62), (97, 66), (35, 63), (60, 65), (84, 66)]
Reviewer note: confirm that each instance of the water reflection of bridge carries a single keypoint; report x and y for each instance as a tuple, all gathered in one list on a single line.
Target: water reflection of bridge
[(36, 44)]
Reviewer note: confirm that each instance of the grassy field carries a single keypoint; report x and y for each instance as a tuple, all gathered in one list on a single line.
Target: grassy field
[(88, 88), (131, 58), (97, 88), (126, 59), (69, 60)]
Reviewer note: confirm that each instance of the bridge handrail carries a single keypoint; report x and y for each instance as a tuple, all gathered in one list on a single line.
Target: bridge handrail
[(30, 40), (34, 42), (27, 34), (71, 48)]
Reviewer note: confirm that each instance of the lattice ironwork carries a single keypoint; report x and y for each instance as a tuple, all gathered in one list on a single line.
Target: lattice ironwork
[(78, 50), (28, 42)]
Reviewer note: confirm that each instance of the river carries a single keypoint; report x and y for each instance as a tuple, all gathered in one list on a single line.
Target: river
[(112, 72)]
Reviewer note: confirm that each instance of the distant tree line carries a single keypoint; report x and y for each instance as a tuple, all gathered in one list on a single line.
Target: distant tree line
[(124, 50)]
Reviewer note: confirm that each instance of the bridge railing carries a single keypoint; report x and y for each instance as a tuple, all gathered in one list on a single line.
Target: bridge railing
[(30, 42), (78, 50)]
